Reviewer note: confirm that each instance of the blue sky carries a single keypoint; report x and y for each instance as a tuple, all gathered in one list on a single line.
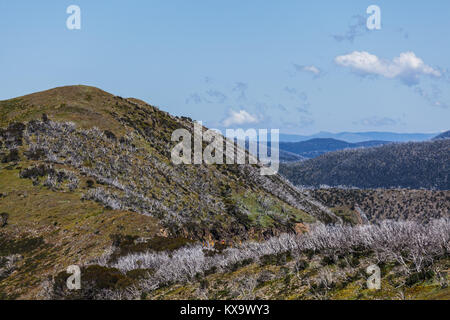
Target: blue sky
[(299, 66)]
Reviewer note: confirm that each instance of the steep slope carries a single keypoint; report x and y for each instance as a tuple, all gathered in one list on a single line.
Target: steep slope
[(124, 145), (316, 147), (408, 165), (80, 167)]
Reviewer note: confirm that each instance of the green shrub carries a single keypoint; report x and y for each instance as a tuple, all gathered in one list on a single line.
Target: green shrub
[(328, 260), (210, 271), (419, 276), (278, 259), (204, 284), (310, 253), (90, 183), (354, 261), (138, 274), (240, 264), (3, 219), (94, 279), (19, 246), (13, 156), (105, 278), (301, 265)]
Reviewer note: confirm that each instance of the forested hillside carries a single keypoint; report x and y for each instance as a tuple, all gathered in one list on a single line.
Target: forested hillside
[(408, 165)]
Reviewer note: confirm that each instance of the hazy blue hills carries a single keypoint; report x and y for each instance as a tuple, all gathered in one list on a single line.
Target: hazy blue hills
[(316, 147), (355, 137)]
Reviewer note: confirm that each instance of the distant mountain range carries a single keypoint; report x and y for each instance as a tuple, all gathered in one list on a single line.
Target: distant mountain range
[(412, 165), (316, 147), (354, 137), (308, 149)]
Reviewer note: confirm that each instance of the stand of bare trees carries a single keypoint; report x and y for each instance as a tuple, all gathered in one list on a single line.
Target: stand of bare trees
[(412, 245)]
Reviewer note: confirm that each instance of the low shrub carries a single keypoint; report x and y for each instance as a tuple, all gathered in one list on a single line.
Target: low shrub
[(328, 260), (3, 219), (418, 277), (19, 246), (13, 156), (94, 280), (240, 264), (301, 265), (278, 259)]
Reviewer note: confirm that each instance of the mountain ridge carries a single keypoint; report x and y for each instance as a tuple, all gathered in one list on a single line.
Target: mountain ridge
[(355, 137), (412, 165), (318, 146)]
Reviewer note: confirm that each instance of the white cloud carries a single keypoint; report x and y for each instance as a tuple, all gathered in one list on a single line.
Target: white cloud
[(312, 69), (239, 118), (407, 67)]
